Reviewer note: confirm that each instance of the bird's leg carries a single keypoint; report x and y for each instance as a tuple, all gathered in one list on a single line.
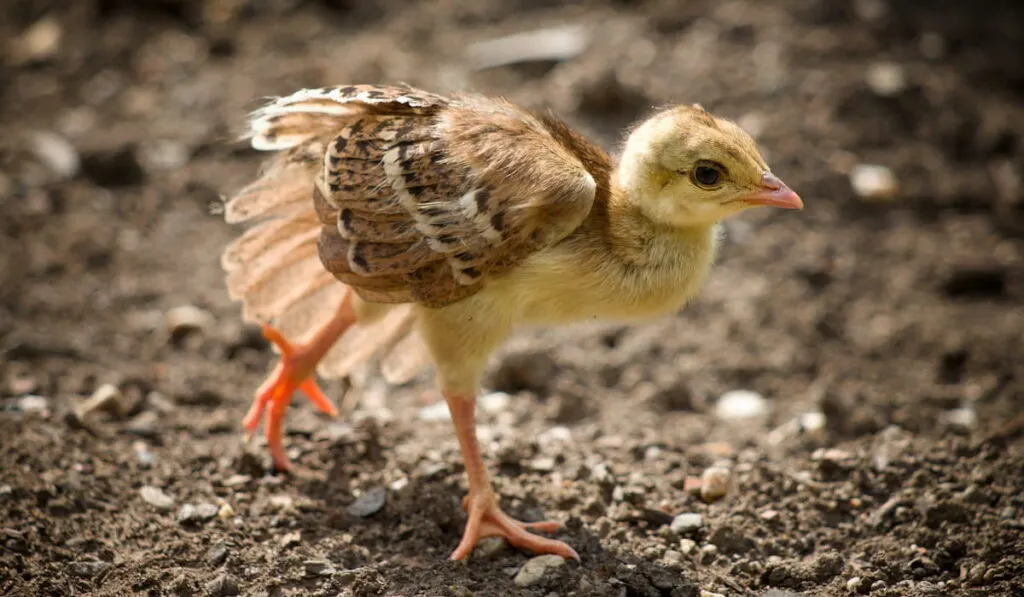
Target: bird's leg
[(486, 518), (295, 372)]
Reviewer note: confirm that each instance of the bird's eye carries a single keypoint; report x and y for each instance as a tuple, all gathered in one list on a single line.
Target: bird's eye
[(706, 176)]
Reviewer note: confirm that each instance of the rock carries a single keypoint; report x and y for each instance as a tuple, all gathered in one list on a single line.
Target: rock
[(281, 501), (142, 453), (559, 434), (554, 44), (975, 494), (56, 153), (853, 585), (218, 554), (708, 553), (107, 398), (741, 404), (542, 464), (183, 320), (154, 496), (89, 569), (291, 539), (704, 593), (164, 155), (874, 182), (714, 483), (494, 403), (318, 567), (437, 411), (960, 418), (38, 43), (488, 547), (687, 522), (144, 424), (886, 78), (225, 511), (224, 585), (687, 546), (34, 406), (369, 503), (534, 570), (236, 480), (197, 513), (729, 539)]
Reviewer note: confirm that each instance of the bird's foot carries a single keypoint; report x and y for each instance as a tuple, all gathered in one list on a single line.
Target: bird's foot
[(486, 519), (293, 372)]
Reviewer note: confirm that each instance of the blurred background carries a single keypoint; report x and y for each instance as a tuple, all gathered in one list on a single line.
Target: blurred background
[(856, 367)]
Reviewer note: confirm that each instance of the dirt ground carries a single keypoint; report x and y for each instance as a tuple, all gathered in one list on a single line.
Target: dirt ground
[(884, 335)]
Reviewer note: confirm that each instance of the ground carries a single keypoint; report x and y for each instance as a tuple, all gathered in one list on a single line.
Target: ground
[(890, 327)]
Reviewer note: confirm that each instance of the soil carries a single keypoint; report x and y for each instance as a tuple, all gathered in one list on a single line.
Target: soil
[(884, 335)]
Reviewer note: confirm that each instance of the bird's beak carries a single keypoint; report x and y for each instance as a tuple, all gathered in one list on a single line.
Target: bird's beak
[(774, 193)]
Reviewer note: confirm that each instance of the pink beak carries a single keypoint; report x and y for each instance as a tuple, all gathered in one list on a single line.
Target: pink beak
[(774, 193)]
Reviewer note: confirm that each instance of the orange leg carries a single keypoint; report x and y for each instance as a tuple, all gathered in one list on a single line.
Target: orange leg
[(485, 516), (295, 372)]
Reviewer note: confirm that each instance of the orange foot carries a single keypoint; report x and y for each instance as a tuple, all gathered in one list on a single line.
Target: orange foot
[(293, 372), (487, 520)]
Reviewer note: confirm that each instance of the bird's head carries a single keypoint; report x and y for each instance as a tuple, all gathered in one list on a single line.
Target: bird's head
[(685, 167)]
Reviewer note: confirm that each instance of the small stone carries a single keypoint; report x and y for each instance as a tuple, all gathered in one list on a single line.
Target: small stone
[(56, 153), (960, 418), (107, 398), (687, 522), (534, 569), (672, 557), (886, 78), (558, 434), (154, 496), (741, 404), (708, 553), (38, 43), (89, 569), (853, 585), (291, 539), (225, 511), (318, 567), (878, 585), (224, 585), (714, 483), (730, 539), (553, 44), (488, 547), (34, 406), (543, 464), (281, 501), (687, 546), (704, 593), (145, 457), (144, 424), (874, 182), (437, 411), (197, 513), (218, 554), (237, 480), (369, 503), (495, 402), (186, 319), (164, 154), (974, 494)]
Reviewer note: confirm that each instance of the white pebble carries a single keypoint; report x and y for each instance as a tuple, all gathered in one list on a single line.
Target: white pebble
[(187, 318), (56, 153), (886, 78), (687, 522), (535, 568), (556, 435), (495, 402), (437, 411), (34, 406), (871, 181), (714, 483), (154, 496), (962, 418), (106, 398), (741, 404)]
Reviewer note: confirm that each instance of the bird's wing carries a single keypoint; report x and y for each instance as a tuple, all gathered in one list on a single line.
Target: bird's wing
[(429, 202), (273, 267)]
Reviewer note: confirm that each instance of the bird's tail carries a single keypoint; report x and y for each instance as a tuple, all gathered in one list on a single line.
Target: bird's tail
[(274, 268)]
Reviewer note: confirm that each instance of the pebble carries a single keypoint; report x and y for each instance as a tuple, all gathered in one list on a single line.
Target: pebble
[(144, 424), (236, 480), (218, 554), (291, 539), (106, 398), (56, 153), (714, 483), (873, 182), (687, 546), (886, 78), (495, 402), (741, 404), (224, 585), (225, 511), (154, 496), (142, 453), (960, 418), (437, 411), (558, 434), (369, 503), (185, 319), (549, 44), (318, 567), (197, 513), (281, 501), (39, 42), (672, 557), (534, 569), (488, 547), (88, 569), (708, 553), (704, 593), (853, 585), (687, 522), (34, 406)]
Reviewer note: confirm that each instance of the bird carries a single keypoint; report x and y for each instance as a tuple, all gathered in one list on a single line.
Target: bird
[(418, 228)]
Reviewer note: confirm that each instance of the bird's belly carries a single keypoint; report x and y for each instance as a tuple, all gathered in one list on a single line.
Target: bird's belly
[(549, 290)]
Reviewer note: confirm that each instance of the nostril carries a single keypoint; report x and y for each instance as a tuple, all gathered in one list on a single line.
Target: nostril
[(772, 182)]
